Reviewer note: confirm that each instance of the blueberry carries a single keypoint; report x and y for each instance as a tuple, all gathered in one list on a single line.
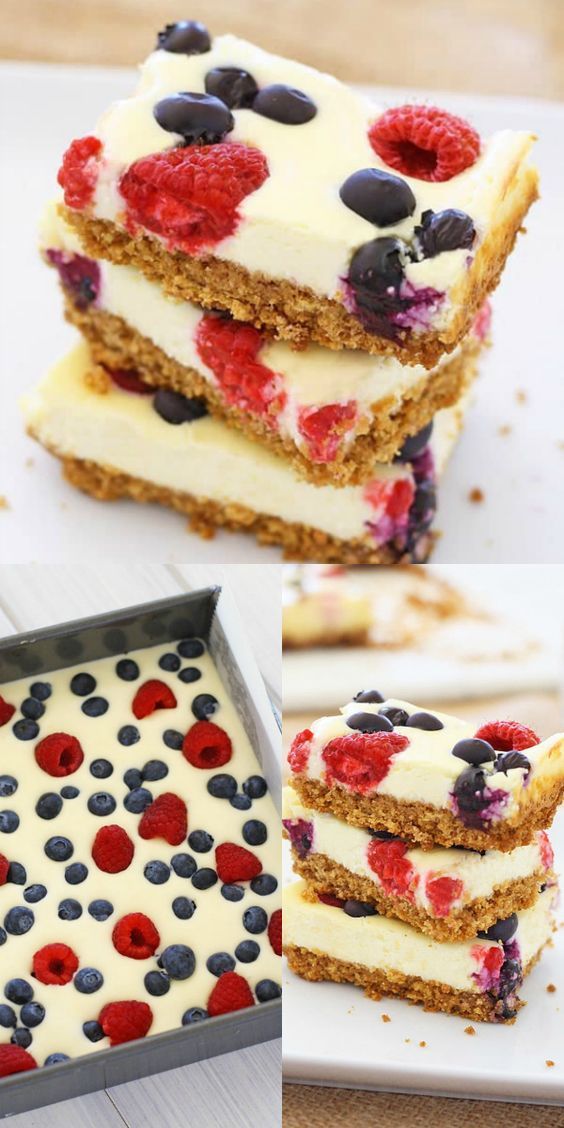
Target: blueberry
[(186, 37), (395, 715), (376, 267), (369, 722), (34, 893), (59, 849), (241, 802), (184, 865), (69, 909), (137, 800), (190, 648), (157, 872), (247, 951), (473, 751), (41, 690), (128, 735), (100, 909), (222, 786), (267, 989), (383, 835), (204, 706), (25, 730), (424, 505), (32, 709), (48, 806), (194, 1014), (200, 841), (154, 769), (133, 778), (255, 919), (284, 104), (178, 961), (425, 721), (69, 792), (21, 1037), (183, 908), (173, 739), (415, 444), (95, 706), (509, 760), (157, 983), (378, 196), (101, 803), (8, 786), (18, 921), (76, 873), (175, 408), (219, 963), (17, 874), (502, 929), (369, 696), (232, 892), (93, 1031), (255, 832), (18, 991), (468, 791), (88, 980), (3, 936), (358, 908), (255, 787), (190, 674), (170, 662), (127, 669), (55, 1059), (82, 685), (32, 1014), (9, 822), (264, 884), (234, 86), (449, 230), (204, 878), (7, 1016)]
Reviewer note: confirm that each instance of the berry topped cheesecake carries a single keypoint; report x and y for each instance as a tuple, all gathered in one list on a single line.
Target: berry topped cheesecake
[(323, 607), (254, 185), (139, 853)]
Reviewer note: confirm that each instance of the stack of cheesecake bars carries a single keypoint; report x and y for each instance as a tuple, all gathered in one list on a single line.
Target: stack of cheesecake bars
[(282, 291)]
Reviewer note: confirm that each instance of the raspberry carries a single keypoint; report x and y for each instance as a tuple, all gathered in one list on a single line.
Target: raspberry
[(394, 497), (55, 964), (230, 993), (112, 849), (4, 867), (395, 871), (128, 380), (166, 818), (206, 746), (135, 936), (507, 736), (275, 932), (14, 1059), (329, 899), (546, 851), (324, 428), (231, 349), (235, 863), (125, 1021), (6, 711), (79, 171), (424, 142), (59, 754), (362, 760), (150, 696), (298, 755), (443, 892), (490, 960), (190, 195)]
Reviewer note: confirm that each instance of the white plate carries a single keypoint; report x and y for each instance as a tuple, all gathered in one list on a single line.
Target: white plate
[(520, 519)]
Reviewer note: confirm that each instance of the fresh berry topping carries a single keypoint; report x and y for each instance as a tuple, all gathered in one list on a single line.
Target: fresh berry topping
[(502, 930), (397, 717), (298, 755), (135, 936), (157, 983), (255, 787), (426, 721), (112, 849), (25, 729), (247, 951), (183, 908), (284, 104), (235, 87), (200, 841), (155, 769), (186, 37), (193, 1014), (415, 444), (330, 899), (41, 690), (138, 800), (32, 1014), (8, 785), (166, 818), (7, 1016), (150, 696), (392, 501), (35, 893), (157, 872), (424, 142), (509, 760), (14, 1059), (442, 892), (204, 706), (190, 674), (275, 932), (222, 786), (255, 919), (369, 722), (93, 1031), (254, 832), (475, 803), (236, 863), (183, 865), (6, 711), (358, 908), (129, 381), (100, 909), (170, 662), (32, 708), (490, 961), (378, 196), (449, 230), (191, 648), (196, 117), (264, 884), (101, 804), (83, 684), (267, 989), (101, 769), (231, 349), (231, 993), (300, 833), (127, 669), (55, 963), (4, 867), (59, 754), (204, 878), (175, 408), (388, 860), (361, 761), (76, 873), (88, 980), (125, 1021), (207, 746), (18, 991), (190, 196), (95, 706), (220, 962), (473, 751), (178, 961), (79, 171), (58, 848), (325, 428), (232, 892), (369, 696), (80, 276), (508, 736)]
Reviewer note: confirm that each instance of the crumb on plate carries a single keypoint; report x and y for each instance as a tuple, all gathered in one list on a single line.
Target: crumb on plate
[(476, 495)]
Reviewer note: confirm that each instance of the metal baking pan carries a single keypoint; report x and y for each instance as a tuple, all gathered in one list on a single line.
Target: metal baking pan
[(211, 615)]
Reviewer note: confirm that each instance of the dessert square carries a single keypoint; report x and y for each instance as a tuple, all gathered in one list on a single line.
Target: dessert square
[(323, 607)]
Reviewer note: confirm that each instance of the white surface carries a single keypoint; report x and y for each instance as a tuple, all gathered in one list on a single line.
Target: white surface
[(521, 474)]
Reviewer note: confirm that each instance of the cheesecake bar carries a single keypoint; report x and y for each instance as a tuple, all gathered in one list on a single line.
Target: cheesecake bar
[(478, 978), (332, 414), (118, 437), (139, 856), (252, 184), (321, 606), (448, 894), (429, 778)]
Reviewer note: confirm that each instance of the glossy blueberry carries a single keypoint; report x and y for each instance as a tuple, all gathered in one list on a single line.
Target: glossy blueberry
[(502, 929), (127, 669), (378, 196), (200, 841), (183, 908), (247, 951), (175, 408), (9, 822), (76, 873), (358, 908), (3, 936), (95, 706), (232, 892), (21, 1037), (88, 980), (69, 792), (190, 648), (255, 787), (83, 685), (255, 920), (157, 983), (378, 266), (55, 1059), (17, 874), (204, 878), (448, 230), (509, 760), (468, 789), (234, 86), (48, 806), (93, 1031), (369, 722), (173, 739), (395, 715), (369, 696), (204, 706), (194, 1014), (34, 893), (32, 709), (32, 1014), (154, 769), (25, 730), (219, 963), (170, 662), (264, 884), (267, 989), (7, 1016), (101, 803), (186, 37), (190, 674), (137, 800), (69, 909), (41, 690), (184, 865), (255, 832), (128, 735), (133, 778), (425, 721), (284, 104), (157, 872), (8, 786), (18, 921), (241, 802), (415, 444), (18, 991), (473, 751), (222, 786), (178, 961), (59, 849)]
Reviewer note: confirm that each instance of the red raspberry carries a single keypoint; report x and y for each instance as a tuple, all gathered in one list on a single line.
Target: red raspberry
[(324, 428), (14, 1059), (231, 993), (55, 964), (166, 818), (112, 849), (135, 936), (424, 142), (230, 349), (298, 755), (546, 851), (396, 873), (275, 932), (6, 711), (128, 380), (190, 196), (394, 497), (236, 863), (4, 867), (125, 1021), (507, 736), (329, 899), (443, 892), (362, 760), (150, 696), (79, 171), (207, 746), (491, 960), (59, 754)]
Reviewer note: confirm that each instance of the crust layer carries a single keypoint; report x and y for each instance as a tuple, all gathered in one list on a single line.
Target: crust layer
[(329, 638)]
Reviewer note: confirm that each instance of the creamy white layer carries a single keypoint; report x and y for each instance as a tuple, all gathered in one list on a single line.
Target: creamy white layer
[(317, 603)]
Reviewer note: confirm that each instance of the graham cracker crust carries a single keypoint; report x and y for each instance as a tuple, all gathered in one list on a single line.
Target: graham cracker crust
[(425, 825), (329, 638), (381, 434), (296, 313), (327, 876)]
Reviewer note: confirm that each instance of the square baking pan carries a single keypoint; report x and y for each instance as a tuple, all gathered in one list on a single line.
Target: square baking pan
[(209, 614)]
